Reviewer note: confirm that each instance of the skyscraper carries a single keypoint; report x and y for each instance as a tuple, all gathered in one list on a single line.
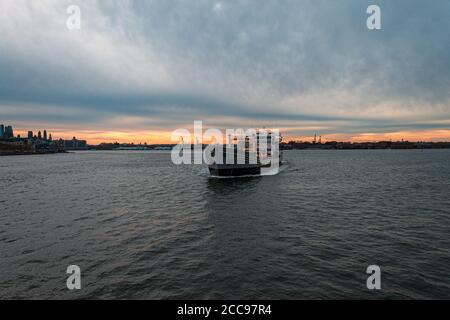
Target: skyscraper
[(9, 133), (2, 131), (30, 135), (45, 135), (39, 135)]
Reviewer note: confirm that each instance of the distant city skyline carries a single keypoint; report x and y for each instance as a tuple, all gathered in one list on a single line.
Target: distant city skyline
[(154, 137), (138, 70)]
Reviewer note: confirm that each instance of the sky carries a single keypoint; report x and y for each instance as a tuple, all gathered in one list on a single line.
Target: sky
[(137, 70)]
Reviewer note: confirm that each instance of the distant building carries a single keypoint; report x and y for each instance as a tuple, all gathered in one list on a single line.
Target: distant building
[(9, 133), (2, 131), (45, 135), (75, 144), (30, 135), (39, 135)]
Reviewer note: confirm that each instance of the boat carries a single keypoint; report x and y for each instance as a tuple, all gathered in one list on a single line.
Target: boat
[(250, 158)]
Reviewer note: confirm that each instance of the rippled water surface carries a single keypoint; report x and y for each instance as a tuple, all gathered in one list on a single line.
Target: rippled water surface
[(140, 227)]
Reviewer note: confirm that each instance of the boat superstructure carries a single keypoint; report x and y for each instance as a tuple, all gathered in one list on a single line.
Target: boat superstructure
[(254, 155)]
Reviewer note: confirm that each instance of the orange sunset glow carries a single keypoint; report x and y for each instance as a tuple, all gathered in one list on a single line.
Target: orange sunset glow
[(164, 137)]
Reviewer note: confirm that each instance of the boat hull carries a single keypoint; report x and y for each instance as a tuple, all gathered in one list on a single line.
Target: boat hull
[(226, 170), (234, 171)]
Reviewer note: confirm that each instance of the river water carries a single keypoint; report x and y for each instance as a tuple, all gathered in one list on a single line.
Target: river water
[(140, 227)]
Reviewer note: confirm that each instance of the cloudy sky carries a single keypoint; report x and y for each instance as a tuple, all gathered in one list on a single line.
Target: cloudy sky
[(139, 69)]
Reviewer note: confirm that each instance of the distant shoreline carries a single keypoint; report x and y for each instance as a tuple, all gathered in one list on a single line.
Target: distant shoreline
[(385, 145), (12, 154), (167, 151), (293, 145)]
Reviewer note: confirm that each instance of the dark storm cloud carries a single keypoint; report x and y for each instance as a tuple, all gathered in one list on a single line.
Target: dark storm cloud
[(233, 58), (298, 46), (183, 105)]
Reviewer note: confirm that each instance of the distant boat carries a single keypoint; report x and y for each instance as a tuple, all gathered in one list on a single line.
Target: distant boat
[(265, 164)]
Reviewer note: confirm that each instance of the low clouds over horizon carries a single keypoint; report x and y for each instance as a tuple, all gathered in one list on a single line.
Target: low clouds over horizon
[(303, 66)]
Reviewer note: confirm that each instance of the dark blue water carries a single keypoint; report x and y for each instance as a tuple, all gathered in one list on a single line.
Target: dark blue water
[(140, 227)]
